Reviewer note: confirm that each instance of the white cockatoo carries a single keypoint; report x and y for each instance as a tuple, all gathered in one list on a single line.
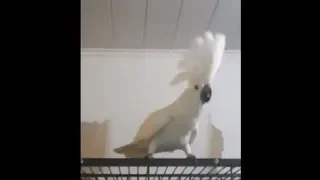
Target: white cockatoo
[(175, 126)]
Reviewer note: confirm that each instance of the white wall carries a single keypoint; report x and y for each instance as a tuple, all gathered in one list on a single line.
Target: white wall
[(124, 86)]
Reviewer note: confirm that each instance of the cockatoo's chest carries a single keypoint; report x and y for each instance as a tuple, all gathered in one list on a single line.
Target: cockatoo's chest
[(176, 133), (185, 121)]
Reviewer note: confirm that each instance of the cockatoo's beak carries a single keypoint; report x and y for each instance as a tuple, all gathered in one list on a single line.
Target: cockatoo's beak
[(205, 94)]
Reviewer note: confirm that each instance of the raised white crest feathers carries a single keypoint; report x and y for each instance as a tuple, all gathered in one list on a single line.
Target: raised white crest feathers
[(202, 61)]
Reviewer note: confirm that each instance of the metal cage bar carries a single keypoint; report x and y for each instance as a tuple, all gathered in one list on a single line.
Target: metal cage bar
[(125, 169)]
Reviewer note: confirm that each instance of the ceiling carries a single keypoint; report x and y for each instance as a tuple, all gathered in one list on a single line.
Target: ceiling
[(157, 24)]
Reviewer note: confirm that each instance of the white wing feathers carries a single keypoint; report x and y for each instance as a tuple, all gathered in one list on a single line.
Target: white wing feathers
[(152, 125)]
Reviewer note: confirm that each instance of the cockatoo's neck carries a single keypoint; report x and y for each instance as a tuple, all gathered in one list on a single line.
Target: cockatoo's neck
[(188, 102)]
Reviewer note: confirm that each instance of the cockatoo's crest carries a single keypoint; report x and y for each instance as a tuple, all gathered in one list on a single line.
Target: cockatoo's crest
[(202, 61)]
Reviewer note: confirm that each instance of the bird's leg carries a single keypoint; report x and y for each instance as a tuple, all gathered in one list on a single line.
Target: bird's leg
[(187, 151), (151, 150)]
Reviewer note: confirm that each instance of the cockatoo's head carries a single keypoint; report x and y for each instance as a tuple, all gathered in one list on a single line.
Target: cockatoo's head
[(200, 64)]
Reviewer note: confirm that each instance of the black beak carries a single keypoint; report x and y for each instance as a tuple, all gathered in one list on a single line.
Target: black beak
[(205, 94)]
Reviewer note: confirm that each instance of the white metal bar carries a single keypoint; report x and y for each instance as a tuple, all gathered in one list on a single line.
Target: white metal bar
[(212, 15), (111, 22), (145, 24), (177, 25)]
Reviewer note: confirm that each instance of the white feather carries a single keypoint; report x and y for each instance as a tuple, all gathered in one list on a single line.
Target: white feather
[(203, 59)]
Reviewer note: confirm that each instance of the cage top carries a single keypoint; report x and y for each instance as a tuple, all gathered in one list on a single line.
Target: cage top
[(158, 162)]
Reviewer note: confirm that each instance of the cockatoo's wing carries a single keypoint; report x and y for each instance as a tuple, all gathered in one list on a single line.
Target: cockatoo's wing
[(140, 147), (153, 124), (134, 149)]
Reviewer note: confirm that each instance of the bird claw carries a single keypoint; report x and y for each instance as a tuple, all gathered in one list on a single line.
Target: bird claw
[(193, 157), (149, 156)]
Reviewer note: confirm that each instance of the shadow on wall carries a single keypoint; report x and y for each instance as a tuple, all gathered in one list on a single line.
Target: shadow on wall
[(216, 143), (94, 139), (94, 142)]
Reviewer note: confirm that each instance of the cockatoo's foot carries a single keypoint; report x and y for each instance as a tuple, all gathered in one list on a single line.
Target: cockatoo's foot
[(193, 157), (149, 156), (187, 150)]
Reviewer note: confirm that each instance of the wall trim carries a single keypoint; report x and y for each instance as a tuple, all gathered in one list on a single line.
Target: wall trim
[(135, 52)]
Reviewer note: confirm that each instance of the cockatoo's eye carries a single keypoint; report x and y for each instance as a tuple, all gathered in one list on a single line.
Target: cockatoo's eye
[(196, 87)]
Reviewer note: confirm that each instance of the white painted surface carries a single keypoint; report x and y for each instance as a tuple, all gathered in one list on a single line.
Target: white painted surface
[(125, 86)]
